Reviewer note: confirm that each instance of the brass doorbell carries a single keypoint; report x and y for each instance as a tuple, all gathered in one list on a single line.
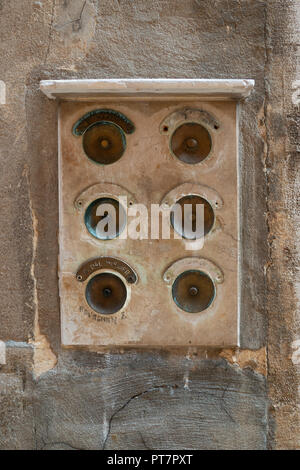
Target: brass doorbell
[(193, 196), (99, 210), (178, 216), (106, 293), (190, 131), (107, 284), (191, 143), (130, 151), (193, 291), (194, 284), (99, 204), (103, 134)]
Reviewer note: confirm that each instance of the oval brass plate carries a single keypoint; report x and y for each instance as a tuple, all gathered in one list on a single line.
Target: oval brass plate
[(106, 262), (108, 115)]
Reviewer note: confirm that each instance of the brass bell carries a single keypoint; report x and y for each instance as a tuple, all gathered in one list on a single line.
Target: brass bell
[(106, 293), (191, 143), (177, 217), (193, 291), (104, 142), (114, 213)]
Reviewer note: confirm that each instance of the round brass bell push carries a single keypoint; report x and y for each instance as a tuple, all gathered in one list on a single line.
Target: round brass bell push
[(106, 293), (193, 291), (190, 230), (191, 143), (104, 142), (114, 214)]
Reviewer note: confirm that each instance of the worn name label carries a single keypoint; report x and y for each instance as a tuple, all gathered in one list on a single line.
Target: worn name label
[(105, 262)]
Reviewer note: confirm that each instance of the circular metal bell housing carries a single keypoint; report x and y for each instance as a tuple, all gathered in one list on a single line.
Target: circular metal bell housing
[(114, 214), (191, 143), (193, 291), (104, 142), (191, 231), (106, 293)]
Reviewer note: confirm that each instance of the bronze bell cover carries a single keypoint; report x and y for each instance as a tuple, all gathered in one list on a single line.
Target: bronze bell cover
[(193, 291), (191, 143), (106, 293)]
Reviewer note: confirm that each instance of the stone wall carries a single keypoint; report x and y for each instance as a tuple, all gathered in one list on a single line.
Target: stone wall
[(54, 398)]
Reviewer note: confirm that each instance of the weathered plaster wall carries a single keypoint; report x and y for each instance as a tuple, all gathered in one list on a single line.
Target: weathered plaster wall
[(54, 398)]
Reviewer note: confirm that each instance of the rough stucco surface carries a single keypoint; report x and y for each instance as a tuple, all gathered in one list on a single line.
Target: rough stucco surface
[(63, 399)]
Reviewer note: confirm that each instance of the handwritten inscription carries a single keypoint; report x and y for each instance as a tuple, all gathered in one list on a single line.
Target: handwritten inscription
[(100, 318)]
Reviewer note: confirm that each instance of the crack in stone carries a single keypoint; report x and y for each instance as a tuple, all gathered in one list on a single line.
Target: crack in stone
[(60, 443), (230, 235), (158, 387), (44, 358), (77, 21), (144, 442), (223, 407)]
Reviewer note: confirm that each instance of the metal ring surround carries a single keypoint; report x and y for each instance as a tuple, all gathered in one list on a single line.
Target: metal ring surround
[(211, 200), (86, 205), (109, 283), (103, 134), (180, 214), (191, 134), (106, 263), (102, 213), (106, 293), (104, 142), (193, 291), (187, 278), (191, 143)]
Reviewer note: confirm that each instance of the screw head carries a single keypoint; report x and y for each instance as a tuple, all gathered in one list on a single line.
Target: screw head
[(191, 143), (193, 290), (107, 292), (104, 143)]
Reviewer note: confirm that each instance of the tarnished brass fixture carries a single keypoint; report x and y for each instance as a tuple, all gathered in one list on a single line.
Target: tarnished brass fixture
[(178, 217), (103, 134), (193, 291), (111, 209), (106, 293), (191, 143)]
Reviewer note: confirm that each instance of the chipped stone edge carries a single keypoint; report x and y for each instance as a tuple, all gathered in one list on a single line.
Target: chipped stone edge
[(247, 358), (44, 358), (218, 89)]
